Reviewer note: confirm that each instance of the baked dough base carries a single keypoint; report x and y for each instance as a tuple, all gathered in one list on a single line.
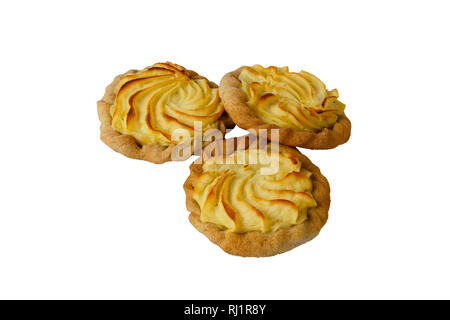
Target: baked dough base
[(255, 243), (235, 103), (126, 144)]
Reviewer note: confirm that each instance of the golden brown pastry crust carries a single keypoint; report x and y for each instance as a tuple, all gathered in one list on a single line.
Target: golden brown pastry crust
[(126, 144), (235, 103), (255, 243)]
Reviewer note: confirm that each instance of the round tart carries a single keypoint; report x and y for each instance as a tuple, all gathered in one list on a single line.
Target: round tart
[(142, 109), (297, 103), (256, 201)]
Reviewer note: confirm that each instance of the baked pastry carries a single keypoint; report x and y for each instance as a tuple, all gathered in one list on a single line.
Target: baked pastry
[(141, 109), (298, 104), (251, 212)]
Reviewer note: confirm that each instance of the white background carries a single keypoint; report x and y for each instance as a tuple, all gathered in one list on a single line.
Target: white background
[(78, 220)]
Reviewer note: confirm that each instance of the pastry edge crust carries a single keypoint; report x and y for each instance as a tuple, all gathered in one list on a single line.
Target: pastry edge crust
[(128, 145), (235, 103), (259, 244)]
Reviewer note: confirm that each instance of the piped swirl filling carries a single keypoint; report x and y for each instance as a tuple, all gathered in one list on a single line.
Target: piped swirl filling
[(290, 99), (155, 101), (233, 194)]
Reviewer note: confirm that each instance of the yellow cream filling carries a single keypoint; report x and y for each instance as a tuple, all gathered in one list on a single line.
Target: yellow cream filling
[(154, 102), (290, 99), (237, 197)]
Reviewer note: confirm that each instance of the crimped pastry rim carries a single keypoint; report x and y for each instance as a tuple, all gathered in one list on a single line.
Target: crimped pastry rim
[(127, 144), (235, 103), (255, 243)]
